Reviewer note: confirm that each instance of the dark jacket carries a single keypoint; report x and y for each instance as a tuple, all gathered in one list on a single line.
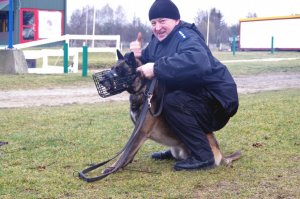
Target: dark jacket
[(184, 62)]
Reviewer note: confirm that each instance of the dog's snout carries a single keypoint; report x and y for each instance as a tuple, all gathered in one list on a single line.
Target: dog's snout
[(106, 79)]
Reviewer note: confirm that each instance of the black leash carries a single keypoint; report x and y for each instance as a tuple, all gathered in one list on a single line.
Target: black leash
[(160, 94), (146, 106)]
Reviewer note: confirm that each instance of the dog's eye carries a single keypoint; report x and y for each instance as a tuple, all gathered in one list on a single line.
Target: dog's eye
[(118, 70)]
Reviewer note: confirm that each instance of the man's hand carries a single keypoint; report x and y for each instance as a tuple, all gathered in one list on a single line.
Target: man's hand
[(147, 70), (136, 46)]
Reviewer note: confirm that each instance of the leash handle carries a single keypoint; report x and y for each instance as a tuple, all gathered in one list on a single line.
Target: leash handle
[(82, 175)]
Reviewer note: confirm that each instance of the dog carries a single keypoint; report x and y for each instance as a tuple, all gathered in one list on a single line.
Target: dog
[(124, 77)]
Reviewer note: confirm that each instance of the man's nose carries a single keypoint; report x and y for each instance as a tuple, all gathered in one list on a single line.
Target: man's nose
[(157, 26)]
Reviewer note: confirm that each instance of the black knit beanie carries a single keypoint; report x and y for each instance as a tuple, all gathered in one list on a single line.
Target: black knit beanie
[(164, 9)]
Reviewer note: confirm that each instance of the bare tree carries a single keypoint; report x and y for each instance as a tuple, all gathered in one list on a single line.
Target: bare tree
[(77, 22), (106, 14), (252, 15), (201, 21), (107, 21), (218, 30), (120, 16)]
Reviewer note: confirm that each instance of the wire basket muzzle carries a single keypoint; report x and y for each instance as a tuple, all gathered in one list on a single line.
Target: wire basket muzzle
[(108, 83)]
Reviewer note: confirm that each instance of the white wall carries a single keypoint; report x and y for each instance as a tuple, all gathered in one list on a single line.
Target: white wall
[(258, 34)]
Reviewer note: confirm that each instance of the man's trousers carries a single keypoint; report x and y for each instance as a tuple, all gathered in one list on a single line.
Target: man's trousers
[(191, 115)]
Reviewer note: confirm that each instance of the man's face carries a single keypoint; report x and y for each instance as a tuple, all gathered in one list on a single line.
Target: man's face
[(162, 27)]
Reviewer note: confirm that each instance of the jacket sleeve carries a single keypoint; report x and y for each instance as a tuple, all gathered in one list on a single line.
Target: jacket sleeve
[(192, 60)]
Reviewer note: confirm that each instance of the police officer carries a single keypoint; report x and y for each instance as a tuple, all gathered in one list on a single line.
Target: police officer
[(201, 94)]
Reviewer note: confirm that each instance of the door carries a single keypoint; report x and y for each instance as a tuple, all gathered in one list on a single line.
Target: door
[(28, 30)]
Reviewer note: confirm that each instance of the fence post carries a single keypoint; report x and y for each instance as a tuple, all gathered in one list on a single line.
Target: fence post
[(84, 60), (10, 24), (233, 45), (272, 45), (66, 57)]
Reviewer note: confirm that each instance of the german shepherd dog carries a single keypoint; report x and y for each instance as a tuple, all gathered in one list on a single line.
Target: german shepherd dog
[(123, 76)]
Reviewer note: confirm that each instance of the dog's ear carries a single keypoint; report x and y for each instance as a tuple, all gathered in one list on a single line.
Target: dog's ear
[(131, 56), (119, 55), (131, 60)]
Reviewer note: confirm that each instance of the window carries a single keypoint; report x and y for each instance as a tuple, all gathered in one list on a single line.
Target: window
[(3, 21)]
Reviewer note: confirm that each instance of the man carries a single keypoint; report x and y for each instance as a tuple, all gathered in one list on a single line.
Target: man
[(201, 94)]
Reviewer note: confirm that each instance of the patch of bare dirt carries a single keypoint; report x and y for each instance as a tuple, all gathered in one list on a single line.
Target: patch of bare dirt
[(87, 95), (267, 82)]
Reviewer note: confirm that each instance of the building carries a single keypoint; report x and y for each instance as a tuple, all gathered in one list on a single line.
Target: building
[(33, 20), (280, 33)]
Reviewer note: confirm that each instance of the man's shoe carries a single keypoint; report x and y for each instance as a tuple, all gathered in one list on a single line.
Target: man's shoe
[(162, 155), (193, 164)]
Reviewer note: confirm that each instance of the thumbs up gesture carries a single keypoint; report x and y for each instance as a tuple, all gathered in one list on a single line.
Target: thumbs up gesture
[(136, 46)]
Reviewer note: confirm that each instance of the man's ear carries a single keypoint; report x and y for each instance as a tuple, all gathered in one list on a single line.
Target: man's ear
[(119, 55)]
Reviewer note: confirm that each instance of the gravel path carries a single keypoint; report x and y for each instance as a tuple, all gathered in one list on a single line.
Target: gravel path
[(87, 95)]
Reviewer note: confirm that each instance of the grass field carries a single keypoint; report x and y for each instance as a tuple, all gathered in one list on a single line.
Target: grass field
[(47, 146), (105, 60)]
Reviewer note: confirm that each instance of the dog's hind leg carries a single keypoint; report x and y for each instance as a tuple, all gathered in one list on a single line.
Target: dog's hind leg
[(215, 148), (219, 158)]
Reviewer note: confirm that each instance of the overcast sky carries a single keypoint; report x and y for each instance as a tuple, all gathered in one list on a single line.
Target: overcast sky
[(232, 10)]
